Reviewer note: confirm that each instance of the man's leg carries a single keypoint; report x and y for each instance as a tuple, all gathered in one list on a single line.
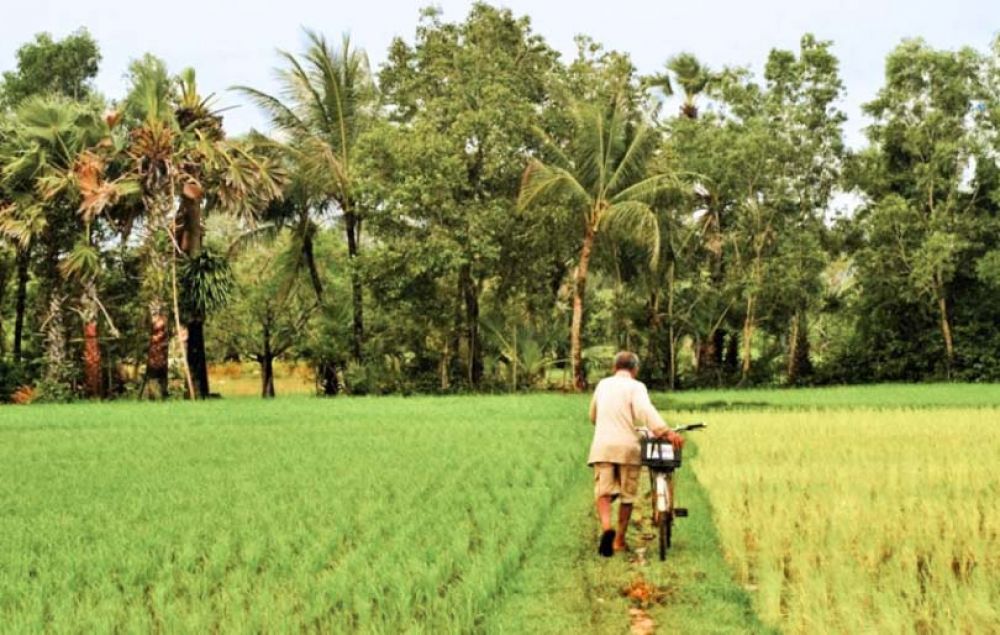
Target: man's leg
[(624, 515), (604, 512), (628, 479), (605, 490)]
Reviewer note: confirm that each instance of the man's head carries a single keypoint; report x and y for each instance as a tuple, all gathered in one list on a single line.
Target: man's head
[(627, 361)]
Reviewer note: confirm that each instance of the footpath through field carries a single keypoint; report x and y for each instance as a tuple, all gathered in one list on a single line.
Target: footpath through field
[(565, 587)]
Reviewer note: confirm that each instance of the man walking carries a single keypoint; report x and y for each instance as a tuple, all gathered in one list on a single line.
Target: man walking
[(620, 404)]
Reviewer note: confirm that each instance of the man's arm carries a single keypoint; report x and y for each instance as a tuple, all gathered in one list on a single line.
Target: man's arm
[(644, 410), (593, 408)]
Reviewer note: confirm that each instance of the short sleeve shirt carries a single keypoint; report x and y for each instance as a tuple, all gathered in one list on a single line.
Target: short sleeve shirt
[(622, 404)]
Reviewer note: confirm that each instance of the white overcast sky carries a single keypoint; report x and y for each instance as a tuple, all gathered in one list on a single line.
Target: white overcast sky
[(234, 42)]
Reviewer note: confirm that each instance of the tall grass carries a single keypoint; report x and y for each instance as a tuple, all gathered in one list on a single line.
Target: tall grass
[(861, 521), (837, 397)]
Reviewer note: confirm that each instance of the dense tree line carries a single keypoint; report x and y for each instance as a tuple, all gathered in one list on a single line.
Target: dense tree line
[(481, 214)]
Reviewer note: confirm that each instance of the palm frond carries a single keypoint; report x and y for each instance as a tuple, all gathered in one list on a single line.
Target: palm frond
[(633, 162), (647, 189), (83, 262), (541, 180), (281, 116), (634, 220)]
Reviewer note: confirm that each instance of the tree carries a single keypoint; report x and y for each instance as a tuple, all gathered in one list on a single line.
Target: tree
[(463, 100), (48, 167), (329, 102), (269, 310), (693, 78), (185, 166), (46, 66), (922, 150), (603, 176)]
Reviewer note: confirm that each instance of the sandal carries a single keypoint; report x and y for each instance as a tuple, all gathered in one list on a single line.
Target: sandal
[(607, 544)]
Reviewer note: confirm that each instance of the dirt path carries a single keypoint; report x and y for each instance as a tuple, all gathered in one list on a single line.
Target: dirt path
[(565, 587)]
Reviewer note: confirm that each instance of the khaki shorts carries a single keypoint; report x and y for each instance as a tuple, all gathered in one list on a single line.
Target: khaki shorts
[(615, 479)]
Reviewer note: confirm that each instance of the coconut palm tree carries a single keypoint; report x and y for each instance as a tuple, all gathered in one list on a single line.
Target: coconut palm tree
[(602, 175), (327, 100)]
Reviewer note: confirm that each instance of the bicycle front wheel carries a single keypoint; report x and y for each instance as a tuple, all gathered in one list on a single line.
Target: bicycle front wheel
[(666, 528)]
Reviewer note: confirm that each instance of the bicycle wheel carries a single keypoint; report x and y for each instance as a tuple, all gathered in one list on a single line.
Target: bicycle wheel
[(666, 528)]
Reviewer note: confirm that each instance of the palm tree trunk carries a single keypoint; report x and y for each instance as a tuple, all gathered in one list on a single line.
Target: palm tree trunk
[(92, 381), (357, 298), (157, 357), (21, 299), (309, 254), (576, 328), (192, 237), (197, 359), (55, 341), (326, 369), (91, 360)]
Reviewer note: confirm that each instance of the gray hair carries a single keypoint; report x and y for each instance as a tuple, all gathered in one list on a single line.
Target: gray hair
[(626, 360)]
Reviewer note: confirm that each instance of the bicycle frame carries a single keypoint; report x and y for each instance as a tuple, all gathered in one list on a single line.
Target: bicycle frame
[(661, 465)]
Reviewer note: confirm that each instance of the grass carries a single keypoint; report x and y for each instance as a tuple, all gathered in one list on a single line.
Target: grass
[(566, 588), (365, 515), (426, 514), (836, 397), (864, 520), (474, 514)]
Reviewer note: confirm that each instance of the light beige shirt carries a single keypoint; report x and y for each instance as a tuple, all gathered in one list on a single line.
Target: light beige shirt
[(620, 405)]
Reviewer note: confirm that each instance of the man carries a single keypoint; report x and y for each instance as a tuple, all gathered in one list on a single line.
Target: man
[(620, 404)]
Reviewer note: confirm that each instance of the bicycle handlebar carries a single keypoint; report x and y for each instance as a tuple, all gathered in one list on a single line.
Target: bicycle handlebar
[(689, 427)]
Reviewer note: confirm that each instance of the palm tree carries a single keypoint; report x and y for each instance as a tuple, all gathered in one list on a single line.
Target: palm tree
[(238, 177), (98, 195), (603, 176), (185, 167), (326, 103), (51, 137), (692, 77)]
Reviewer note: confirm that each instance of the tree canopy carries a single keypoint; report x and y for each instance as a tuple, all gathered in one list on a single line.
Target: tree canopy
[(480, 213)]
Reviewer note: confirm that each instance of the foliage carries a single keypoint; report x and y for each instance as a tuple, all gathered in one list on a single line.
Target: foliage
[(506, 214), (46, 66)]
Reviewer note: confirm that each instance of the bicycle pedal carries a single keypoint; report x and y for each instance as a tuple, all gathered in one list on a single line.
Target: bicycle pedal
[(680, 512)]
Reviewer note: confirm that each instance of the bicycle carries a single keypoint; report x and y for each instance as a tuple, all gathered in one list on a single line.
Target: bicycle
[(660, 456)]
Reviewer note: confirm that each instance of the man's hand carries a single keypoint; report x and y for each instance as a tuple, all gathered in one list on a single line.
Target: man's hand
[(675, 439)]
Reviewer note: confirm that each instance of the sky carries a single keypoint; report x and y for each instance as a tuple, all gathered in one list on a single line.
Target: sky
[(231, 43)]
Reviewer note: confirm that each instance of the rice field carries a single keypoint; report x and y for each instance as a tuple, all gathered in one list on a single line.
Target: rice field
[(346, 516), (884, 521), (474, 515)]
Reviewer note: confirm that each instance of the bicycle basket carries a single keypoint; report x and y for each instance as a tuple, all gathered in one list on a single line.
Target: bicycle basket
[(659, 453)]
